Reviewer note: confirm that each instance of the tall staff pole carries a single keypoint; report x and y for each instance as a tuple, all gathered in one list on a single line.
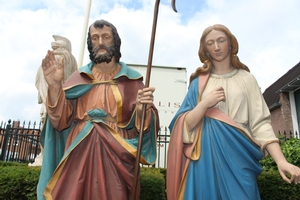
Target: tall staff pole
[(140, 139), (83, 37)]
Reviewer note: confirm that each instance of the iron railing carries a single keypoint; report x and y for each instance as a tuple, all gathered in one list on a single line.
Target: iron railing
[(289, 135), (19, 143)]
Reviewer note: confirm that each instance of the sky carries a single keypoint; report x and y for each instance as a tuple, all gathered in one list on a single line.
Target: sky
[(267, 32)]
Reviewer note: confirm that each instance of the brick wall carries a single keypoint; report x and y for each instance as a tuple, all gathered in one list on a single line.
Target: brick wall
[(281, 116)]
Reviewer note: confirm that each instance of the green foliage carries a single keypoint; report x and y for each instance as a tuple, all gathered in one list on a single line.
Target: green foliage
[(18, 181), (272, 186), (291, 151), (270, 183), (152, 184), (9, 164)]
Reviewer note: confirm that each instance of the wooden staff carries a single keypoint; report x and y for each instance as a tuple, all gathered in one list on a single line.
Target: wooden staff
[(150, 56)]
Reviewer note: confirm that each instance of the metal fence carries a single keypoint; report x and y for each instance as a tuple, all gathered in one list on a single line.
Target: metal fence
[(286, 136), (19, 143), (163, 139)]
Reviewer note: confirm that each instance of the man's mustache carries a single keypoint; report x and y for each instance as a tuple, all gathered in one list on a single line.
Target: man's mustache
[(95, 50)]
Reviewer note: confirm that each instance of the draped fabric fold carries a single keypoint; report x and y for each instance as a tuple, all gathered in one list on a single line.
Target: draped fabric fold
[(221, 163), (228, 168), (94, 157)]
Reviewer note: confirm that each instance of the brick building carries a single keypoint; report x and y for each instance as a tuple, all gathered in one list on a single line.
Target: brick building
[(283, 100)]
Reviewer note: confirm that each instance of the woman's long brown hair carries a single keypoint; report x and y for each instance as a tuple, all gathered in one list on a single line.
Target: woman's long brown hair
[(206, 60)]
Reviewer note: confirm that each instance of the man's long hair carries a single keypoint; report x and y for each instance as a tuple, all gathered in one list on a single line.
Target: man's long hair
[(117, 40)]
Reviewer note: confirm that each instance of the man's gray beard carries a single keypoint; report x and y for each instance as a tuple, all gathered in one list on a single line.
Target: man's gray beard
[(107, 57)]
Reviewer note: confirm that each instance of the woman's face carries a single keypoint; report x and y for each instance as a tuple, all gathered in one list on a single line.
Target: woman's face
[(217, 45)]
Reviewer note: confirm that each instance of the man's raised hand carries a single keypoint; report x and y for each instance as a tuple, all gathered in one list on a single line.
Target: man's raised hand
[(53, 73), (53, 70)]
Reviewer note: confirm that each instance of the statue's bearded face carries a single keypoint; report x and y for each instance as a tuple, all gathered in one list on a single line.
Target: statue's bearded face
[(102, 42), (106, 57)]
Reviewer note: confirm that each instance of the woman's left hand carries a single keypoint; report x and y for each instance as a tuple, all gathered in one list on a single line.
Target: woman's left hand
[(287, 168)]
